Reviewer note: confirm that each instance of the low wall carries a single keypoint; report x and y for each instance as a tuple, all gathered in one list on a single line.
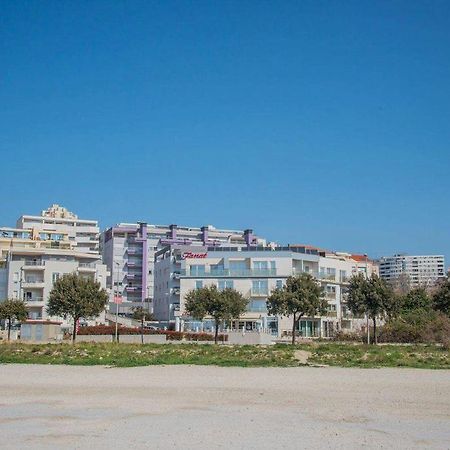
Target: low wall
[(123, 339), (249, 338)]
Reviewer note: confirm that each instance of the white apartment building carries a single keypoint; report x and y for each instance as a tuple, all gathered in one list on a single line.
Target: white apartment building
[(421, 270), (31, 260), (255, 271), (128, 250), (58, 219)]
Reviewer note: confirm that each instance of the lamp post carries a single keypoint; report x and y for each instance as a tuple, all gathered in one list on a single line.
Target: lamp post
[(116, 301)]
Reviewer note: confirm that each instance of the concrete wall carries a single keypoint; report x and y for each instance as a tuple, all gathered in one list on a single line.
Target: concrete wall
[(251, 338), (125, 339)]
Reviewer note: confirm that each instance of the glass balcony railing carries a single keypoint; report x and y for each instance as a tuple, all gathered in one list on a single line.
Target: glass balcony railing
[(238, 273)]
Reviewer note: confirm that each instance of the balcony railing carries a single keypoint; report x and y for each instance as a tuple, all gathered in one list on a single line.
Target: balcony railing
[(237, 273), (33, 281), (34, 263), (35, 299)]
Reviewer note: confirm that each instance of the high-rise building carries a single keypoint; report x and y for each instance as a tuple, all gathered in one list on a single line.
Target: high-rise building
[(419, 270), (128, 250)]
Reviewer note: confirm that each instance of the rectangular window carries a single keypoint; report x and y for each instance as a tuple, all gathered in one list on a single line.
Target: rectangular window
[(198, 284), (238, 265), (55, 276), (279, 284), (261, 265), (217, 269), (197, 269), (225, 284), (260, 287), (16, 276)]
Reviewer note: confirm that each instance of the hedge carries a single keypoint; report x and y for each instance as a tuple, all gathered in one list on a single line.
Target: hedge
[(171, 335)]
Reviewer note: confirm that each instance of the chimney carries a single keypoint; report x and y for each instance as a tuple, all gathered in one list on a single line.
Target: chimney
[(143, 229), (173, 231), (248, 236), (205, 235)]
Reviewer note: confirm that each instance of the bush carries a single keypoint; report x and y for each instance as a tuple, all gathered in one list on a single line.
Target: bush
[(349, 336), (419, 326), (171, 335)]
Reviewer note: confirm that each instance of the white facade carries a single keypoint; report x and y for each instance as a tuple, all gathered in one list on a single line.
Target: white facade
[(421, 270), (256, 272), (58, 219), (32, 259), (129, 250)]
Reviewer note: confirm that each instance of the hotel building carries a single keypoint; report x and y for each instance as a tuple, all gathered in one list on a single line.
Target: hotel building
[(255, 271), (128, 250), (423, 270)]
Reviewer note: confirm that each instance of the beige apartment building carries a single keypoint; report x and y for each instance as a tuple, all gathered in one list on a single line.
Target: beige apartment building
[(33, 258)]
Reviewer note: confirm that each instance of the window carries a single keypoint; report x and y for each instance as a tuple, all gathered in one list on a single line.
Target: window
[(16, 276), (256, 305), (238, 265), (55, 276), (261, 265), (279, 284), (225, 284), (217, 268), (260, 287), (198, 284), (197, 269)]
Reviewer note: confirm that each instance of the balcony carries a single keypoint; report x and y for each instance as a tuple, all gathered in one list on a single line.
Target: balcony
[(133, 263), (176, 291), (259, 293), (132, 275), (134, 251), (176, 275), (327, 276), (34, 265), (35, 301), (87, 267), (33, 284), (133, 288), (230, 273)]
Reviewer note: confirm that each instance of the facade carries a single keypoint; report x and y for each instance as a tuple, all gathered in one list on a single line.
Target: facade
[(31, 260), (255, 271), (129, 250), (59, 220), (423, 270)]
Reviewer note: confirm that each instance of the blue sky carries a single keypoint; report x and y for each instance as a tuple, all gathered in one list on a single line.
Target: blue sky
[(321, 122)]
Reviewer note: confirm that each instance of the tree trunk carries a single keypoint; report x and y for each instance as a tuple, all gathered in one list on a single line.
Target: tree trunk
[(375, 331), (74, 331), (9, 328), (216, 333), (294, 323), (142, 331)]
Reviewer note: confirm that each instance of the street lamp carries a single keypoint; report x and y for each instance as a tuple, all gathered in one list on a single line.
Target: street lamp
[(116, 300)]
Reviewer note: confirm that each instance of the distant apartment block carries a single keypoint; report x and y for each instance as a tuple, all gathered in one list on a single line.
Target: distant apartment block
[(128, 250), (58, 219), (421, 270), (43, 248)]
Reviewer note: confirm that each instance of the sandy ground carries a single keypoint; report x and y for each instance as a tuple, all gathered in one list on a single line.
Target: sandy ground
[(209, 407)]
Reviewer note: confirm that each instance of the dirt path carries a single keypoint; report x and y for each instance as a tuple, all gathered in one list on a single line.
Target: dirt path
[(195, 407)]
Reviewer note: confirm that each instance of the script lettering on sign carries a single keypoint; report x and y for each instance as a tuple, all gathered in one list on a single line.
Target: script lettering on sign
[(187, 255)]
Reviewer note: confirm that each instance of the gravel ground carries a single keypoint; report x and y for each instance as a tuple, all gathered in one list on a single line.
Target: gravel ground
[(196, 407)]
